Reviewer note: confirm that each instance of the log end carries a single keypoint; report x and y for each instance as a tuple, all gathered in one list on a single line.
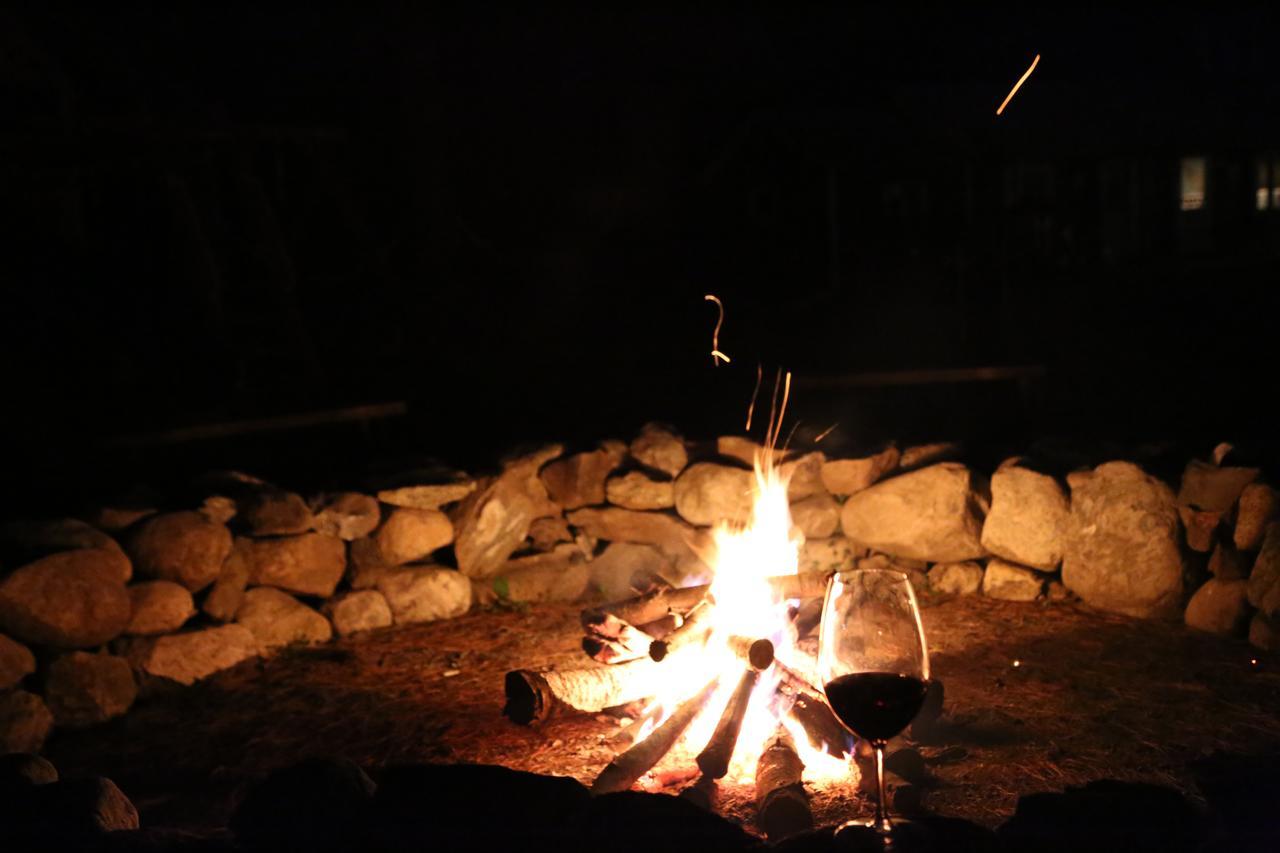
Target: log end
[(785, 812), (760, 654), (529, 699)]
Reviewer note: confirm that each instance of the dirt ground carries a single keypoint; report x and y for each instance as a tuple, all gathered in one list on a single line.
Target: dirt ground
[(1038, 697)]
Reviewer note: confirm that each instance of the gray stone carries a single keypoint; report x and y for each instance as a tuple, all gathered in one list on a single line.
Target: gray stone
[(192, 655), (817, 516), (367, 565), (707, 493), (849, 476), (16, 662), (184, 547), (803, 475), (428, 496), (1219, 607), (1122, 549), (560, 575), (546, 533), (73, 600), (626, 567), (578, 480), (1264, 580), (1227, 563), (408, 535), (224, 597), (363, 610), (25, 722), (158, 607), (1259, 506), (310, 564), (1264, 632), (84, 689), (1209, 487), (668, 534), (1028, 520), (218, 509), (660, 449), (956, 578), (833, 554), (271, 512), (425, 594), (278, 619), (1010, 582), (637, 490), (931, 514), (491, 523), (346, 515)]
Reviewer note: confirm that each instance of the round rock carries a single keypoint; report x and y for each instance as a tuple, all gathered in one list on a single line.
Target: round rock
[(25, 722), (1219, 607), (347, 515), (412, 534), (425, 594), (16, 662), (707, 493), (184, 547), (362, 610), (1010, 582), (158, 607), (73, 600), (278, 619), (84, 689)]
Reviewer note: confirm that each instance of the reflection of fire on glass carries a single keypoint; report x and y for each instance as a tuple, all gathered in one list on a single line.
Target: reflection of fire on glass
[(1192, 183)]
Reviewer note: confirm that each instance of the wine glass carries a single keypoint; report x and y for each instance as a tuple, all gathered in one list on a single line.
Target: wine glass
[(873, 662)]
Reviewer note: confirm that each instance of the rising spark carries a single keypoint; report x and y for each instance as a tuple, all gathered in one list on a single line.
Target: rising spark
[(751, 408), (1018, 85), (826, 432), (716, 355)]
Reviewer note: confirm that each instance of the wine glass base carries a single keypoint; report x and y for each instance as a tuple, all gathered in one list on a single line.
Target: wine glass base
[(864, 835)]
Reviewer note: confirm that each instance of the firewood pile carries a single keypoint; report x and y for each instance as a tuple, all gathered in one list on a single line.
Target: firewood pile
[(638, 645)]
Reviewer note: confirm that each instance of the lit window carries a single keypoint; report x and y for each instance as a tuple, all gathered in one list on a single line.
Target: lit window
[(1267, 196), (1192, 183)]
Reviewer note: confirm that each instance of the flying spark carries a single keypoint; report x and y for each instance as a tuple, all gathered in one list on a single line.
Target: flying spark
[(826, 432), (751, 407), (716, 355), (1018, 85)]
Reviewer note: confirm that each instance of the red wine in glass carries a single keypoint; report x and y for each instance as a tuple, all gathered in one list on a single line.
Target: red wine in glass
[(876, 705)]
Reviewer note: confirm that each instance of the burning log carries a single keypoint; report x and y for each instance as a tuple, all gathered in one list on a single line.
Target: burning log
[(533, 696), (789, 680), (630, 733), (624, 770), (658, 603), (714, 759), (695, 627), (820, 724), (660, 628), (782, 806)]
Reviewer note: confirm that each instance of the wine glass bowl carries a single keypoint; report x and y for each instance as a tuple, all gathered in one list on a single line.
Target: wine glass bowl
[(873, 661)]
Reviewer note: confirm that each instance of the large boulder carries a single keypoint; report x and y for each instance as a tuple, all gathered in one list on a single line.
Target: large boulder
[(559, 575), (817, 516), (16, 662), (278, 619), (25, 722), (84, 689), (409, 534), (1122, 543), (707, 493), (1227, 563), (347, 515), (833, 554), (1011, 582), (578, 480), (1219, 607), (1209, 487), (192, 655), (1028, 519), (273, 512), (1259, 506), (158, 607), (224, 597), (932, 514), (184, 547), (667, 533), (27, 541), (803, 475), (849, 476), (493, 521), (362, 610), (625, 567), (660, 449), (637, 490), (367, 565), (546, 533), (1264, 580), (73, 600), (425, 593), (310, 564)]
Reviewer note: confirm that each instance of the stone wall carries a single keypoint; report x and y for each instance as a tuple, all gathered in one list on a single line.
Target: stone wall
[(238, 567)]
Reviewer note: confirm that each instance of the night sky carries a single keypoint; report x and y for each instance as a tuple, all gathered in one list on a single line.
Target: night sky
[(508, 217)]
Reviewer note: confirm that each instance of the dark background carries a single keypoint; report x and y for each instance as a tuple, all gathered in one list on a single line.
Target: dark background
[(507, 217)]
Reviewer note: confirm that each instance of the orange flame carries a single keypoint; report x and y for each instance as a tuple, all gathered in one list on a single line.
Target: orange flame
[(1018, 85)]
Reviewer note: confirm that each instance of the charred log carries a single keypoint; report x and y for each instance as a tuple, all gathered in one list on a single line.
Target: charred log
[(782, 805), (714, 759)]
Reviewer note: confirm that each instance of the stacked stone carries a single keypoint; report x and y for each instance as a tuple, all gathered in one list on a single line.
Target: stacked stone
[(249, 568)]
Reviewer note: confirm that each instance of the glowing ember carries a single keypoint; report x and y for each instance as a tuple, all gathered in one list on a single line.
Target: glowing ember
[(1018, 85), (716, 355)]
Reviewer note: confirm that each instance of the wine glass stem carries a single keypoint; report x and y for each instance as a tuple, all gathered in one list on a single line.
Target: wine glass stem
[(882, 819)]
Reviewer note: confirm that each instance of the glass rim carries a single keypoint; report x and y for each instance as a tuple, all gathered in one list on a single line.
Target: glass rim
[(857, 571)]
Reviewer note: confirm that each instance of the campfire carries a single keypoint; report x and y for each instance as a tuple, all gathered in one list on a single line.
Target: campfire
[(721, 676)]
